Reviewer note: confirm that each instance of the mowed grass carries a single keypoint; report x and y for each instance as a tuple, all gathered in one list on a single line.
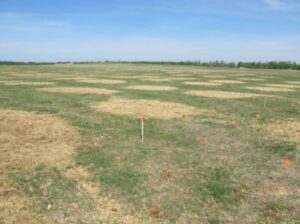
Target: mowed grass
[(222, 167)]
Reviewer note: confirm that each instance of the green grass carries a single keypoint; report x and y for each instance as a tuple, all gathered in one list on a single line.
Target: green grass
[(102, 165), (218, 185), (282, 149), (215, 182), (49, 187)]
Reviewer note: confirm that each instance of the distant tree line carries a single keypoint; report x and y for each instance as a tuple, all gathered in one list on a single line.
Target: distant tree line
[(207, 64), (262, 65), (270, 65), (25, 63)]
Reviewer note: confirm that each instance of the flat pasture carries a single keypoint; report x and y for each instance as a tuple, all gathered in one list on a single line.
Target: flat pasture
[(220, 145)]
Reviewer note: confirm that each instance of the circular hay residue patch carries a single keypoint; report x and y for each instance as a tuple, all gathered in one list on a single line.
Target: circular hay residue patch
[(214, 76), (28, 138), (124, 77), (221, 94), (267, 77), (288, 86), (287, 130), (69, 78), (16, 83), (182, 75), (227, 81), (152, 88), (294, 82), (202, 83), (181, 78), (252, 79), (270, 89), (102, 81), (149, 108), (156, 79), (78, 90)]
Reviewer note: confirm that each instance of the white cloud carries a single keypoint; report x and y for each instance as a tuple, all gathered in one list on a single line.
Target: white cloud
[(143, 48), (276, 4), (27, 22)]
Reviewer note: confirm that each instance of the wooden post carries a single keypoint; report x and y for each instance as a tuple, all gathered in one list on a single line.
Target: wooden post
[(265, 102), (142, 127)]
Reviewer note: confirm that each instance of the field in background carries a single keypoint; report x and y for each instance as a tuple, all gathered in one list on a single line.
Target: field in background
[(221, 145)]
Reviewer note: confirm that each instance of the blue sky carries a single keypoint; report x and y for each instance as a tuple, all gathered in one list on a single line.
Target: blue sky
[(230, 30)]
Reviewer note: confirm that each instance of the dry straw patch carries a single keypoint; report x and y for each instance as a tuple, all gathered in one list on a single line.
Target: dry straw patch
[(214, 76), (149, 108), (124, 77), (221, 94), (273, 190), (288, 86), (15, 209), (111, 210), (102, 81), (16, 83), (267, 77), (181, 78), (70, 78), (227, 81), (252, 79), (246, 74), (78, 90), (19, 74), (202, 83), (294, 82), (181, 75), (152, 88), (82, 179), (33, 74), (156, 79), (29, 138), (288, 130), (270, 89)]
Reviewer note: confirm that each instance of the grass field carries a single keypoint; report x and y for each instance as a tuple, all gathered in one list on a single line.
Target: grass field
[(221, 145)]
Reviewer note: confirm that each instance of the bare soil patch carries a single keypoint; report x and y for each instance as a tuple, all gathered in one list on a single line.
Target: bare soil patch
[(149, 108), (270, 89), (152, 88), (221, 94), (15, 83), (102, 81), (202, 83), (78, 90), (227, 81), (287, 130)]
